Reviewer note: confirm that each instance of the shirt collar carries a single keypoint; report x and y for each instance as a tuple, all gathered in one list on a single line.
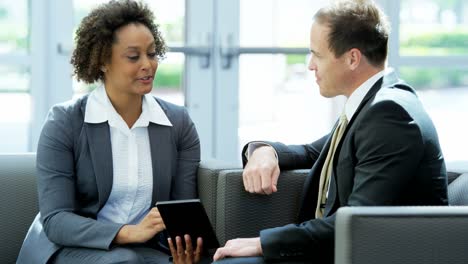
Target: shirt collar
[(154, 111), (99, 109), (358, 95)]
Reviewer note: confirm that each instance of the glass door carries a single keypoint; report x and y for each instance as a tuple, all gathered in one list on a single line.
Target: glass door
[(428, 47), (15, 73), (170, 15)]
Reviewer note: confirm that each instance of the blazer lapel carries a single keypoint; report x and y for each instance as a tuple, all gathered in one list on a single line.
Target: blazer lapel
[(161, 156), (311, 184), (101, 156), (389, 79)]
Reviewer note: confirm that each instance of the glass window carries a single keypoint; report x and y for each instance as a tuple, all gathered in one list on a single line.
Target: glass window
[(276, 98), (15, 101), (14, 79), (274, 102), (277, 23), (14, 26), (444, 93), (15, 109), (433, 27), (168, 84), (169, 15)]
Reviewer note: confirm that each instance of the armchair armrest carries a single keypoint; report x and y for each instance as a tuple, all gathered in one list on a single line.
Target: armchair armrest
[(412, 234), (237, 213), (18, 201)]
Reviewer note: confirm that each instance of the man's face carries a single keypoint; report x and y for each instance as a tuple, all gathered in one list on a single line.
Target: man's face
[(330, 71)]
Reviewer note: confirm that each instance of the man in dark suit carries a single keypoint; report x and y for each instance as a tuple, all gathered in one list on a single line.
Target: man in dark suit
[(383, 151)]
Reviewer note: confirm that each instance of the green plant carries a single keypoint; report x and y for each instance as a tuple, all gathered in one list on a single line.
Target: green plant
[(169, 76), (424, 79), (295, 59)]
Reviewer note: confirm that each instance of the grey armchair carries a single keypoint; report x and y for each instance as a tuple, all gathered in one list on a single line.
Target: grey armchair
[(232, 211), (236, 213), (18, 202), (404, 235)]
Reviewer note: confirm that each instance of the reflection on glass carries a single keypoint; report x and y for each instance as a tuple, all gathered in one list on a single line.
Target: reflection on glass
[(14, 29), (444, 93), (280, 101), (14, 79), (433, 27), (277, 23)]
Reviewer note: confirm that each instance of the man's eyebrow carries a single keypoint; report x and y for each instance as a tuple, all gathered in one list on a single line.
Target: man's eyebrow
[(314, 52)]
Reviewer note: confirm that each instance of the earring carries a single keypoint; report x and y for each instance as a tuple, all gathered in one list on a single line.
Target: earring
[(103, 69)]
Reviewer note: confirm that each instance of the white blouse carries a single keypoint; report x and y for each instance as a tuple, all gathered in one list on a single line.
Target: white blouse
[(132, 186)]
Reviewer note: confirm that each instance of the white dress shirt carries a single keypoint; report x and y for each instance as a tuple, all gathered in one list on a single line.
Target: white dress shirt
[(355, 99), (132, 185)]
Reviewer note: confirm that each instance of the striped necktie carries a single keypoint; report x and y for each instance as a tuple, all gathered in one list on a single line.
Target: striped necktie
[(327, 168)]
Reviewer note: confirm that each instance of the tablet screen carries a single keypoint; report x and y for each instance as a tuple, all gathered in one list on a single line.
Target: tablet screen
[(188, 217)]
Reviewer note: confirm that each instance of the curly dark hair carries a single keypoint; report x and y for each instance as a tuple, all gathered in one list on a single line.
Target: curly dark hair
[(96, 34)]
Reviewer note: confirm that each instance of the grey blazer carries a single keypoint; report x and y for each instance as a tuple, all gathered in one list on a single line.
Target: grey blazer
[(389, 155), (74, 176)]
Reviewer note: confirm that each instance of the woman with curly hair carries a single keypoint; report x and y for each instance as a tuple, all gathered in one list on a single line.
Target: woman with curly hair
[(103, 160)]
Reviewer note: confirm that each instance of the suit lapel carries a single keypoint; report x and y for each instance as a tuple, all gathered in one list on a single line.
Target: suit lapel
[(311, 184), (161, 156), (389, 79), (101, 156)]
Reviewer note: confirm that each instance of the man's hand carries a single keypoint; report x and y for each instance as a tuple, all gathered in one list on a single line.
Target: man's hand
[(261, 171), (142, 232), (240, 247), (187, 256)]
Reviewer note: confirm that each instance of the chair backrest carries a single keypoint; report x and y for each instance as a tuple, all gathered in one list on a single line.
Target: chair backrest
[(242, 214), (404, 235), (410, 234), (234, 213), (458, 190), (18, 202), (458, 182)]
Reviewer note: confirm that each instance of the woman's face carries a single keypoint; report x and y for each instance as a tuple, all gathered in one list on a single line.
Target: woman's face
[(133, 62)]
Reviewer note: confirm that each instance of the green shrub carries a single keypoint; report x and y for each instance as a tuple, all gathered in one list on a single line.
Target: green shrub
[(423, 79), (169, 76), (456, 39), (295, 59)]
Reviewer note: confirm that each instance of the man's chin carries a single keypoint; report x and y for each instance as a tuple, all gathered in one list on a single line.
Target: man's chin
[(326, 94)]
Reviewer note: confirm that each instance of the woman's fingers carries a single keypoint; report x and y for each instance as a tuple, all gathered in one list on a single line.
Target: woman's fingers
[(180, 248), (171, 247), (198, 250)]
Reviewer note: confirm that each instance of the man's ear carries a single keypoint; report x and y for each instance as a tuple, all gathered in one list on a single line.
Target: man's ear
[(354, 57)]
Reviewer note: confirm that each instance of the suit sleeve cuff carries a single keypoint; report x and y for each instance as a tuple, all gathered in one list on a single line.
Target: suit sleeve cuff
[(255, 145)]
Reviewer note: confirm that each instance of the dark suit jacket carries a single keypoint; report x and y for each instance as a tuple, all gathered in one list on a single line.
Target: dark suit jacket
[(74, 173), (389, 155)]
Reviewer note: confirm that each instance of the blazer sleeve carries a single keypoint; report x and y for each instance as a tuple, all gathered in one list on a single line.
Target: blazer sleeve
[(56, 188), (292, 157), (188, 158), (388, 150)]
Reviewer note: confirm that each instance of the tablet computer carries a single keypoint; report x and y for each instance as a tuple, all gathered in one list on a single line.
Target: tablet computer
[(188, 217)]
